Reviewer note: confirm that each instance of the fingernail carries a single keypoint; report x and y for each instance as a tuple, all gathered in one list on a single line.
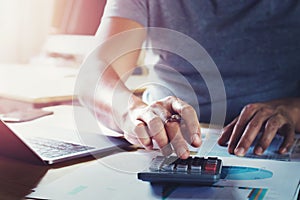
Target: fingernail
[(149, 147), (239, 151), (196, 139), (183, 153), (283, 150), (259, 151)]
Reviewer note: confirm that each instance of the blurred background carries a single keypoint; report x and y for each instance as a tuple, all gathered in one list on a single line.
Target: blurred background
[(42, 46), (47, 30)]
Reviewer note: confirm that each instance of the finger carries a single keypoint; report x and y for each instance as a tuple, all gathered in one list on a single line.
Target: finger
[(271, 128), (185, 133), (131, 138), (177, 140), (287, 143), (190, 118), (252, 129), (245, 116), (142, 135), (161, 110), (288, 140), (226, 133), (134, 139), (157, 132)]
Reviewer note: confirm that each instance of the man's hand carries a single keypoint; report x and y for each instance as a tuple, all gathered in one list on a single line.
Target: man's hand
[(144, 124), (270, 118)]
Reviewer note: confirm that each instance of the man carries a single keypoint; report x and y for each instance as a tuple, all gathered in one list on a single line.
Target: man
[(253, 43)]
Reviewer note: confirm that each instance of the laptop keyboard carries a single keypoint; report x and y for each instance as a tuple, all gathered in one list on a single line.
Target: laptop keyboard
[(54, 148)]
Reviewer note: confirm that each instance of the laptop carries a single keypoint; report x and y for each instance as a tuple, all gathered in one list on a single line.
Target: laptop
[(49, 151)]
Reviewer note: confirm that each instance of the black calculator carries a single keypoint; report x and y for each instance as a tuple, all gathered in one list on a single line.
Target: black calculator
[(194, 170)]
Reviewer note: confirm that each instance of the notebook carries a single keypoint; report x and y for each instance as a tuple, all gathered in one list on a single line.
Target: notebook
[(49, 151)]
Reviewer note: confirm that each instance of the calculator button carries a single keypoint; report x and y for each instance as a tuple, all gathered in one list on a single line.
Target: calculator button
[(212, 158), (196, 164), (170, 160), (167, 168), (156, 163), (169, 164), (181, 165), (196, 169), (211, 165), (212, 162), (181, 168), (198, 161)]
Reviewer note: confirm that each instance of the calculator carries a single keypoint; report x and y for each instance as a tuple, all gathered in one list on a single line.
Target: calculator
[(194, 170)]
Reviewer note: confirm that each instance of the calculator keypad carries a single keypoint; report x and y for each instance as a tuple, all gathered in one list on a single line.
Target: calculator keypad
[(190, 165), (194, 170)]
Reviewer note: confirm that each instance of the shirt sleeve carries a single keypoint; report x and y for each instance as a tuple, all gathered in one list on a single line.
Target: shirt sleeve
[(135, 10)]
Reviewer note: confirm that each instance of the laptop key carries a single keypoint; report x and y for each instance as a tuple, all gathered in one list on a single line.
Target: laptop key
[(55, 148)]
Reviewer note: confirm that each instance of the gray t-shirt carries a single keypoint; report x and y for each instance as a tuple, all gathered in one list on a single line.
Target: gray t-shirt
[(255, 44)]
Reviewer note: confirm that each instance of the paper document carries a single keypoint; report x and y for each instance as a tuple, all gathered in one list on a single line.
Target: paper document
[(211, 148), (115, 177)]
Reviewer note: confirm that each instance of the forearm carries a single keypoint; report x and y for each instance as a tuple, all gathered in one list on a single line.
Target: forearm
[(107, 68), (104, 93), (113, 99)]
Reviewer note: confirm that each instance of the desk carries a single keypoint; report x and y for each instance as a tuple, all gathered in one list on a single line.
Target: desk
[(114, 177), (17, 178)]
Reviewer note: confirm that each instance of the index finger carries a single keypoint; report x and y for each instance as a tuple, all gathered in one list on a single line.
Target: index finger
[(246, 115), (252, 130), (190, 118)]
